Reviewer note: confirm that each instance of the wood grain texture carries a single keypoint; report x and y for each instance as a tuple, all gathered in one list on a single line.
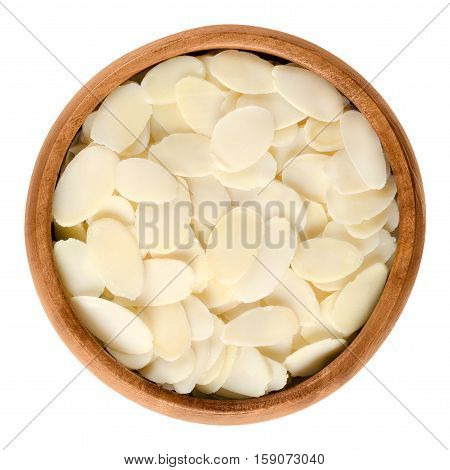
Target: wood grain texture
[(399, 284)]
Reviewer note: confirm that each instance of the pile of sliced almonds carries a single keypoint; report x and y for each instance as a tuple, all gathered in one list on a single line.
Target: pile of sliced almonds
[(249, 150)]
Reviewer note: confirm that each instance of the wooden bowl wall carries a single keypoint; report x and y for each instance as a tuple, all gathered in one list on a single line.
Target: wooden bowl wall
[(399, 284)]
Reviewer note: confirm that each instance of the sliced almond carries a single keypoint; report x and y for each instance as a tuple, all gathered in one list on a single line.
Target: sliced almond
[(279, 351), (199, 317), (323, 136), (231, 353), (170, 119), (367, 228), (343, 175), (170, 372), (338, 231), (316, 219), (131, 361), (116, 207), (278, 377)]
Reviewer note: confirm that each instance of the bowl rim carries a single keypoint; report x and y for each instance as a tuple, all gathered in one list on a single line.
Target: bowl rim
[(399, 284)]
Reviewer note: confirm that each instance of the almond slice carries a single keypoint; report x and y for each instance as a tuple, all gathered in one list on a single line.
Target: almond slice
[(131, 361), (199, 317), (323, 136), (116, 207), (162, 371)]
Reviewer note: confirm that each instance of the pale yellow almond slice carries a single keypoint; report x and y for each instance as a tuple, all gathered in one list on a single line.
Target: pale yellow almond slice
[(271, 262), (86, 128), (161, 371), (164, 227), (243, 72), (323, 136), (139, 180), (225, 307), (216, 345), (169, 117), (284, 114), (316, 220), (199, 317), (170, 329), (354, 208), (157, 131), (86, 184), (115, 255), (311, 358), (140, 145), (261, 326), (369, 227), (210, 199), (216, 295), (338, 231), (116, 207), (233, 244), (75, 269), (385, 249), (202, 354), (207, 59), (131, 361), (309, 93), (326, 259), (356, 301), (77, 231), (278, 376), (295, 293), (257, 175), (116, 326), (306, 175), (231, 353), (185, 154), (234, 312), (230, 102), (279, 351), (121, 118), (214, 370), (364, 149), (393, 217), (160, 81), (250, 374), (200, 103), (241, 137), (285, 136), (343, 175), (166, 281)]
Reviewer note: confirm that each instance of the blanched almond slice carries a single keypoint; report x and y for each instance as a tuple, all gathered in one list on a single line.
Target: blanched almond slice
[(323, 136), (250, 374), (202, 353), (297, 294), (115, 255), (86, 128), (200, 103), (216, 295), (279, 351), (393, 217), (357, 300), (231, 353), (207, 59), (261, 326), (114, 325), (343, 175), (316, 219), (338, 231), (230, 101), (170, 328), (157, 131), (199, 317), (278, 375), (77, 231), (241, 137), (370, 227), (166, 281), (116, 207), (163, 228), (131, 361), (364, 149), (325, 259), (85, 185), (213, 371), (243, 72), (139, 180), (210, 199), (121, 117), (257, 175), (354, 208), (185, 154), (285, 136), (271, 262), (306, 175), (385, 249), (233, 243), (309, 93), (159, 82), (313, 357), (140, 145), (76, 271), (234, 312), (284, 114), (170, 372), (169, 117), (216, 345)]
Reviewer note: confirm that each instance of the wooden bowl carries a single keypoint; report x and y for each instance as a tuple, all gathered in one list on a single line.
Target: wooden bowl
[(399, 284)]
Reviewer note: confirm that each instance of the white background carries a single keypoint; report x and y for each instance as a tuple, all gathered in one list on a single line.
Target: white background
[(359, 426)]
